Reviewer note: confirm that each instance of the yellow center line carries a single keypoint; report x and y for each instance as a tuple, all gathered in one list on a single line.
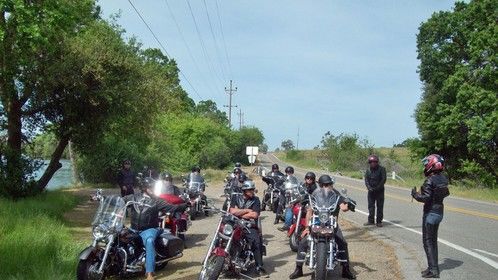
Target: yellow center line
[(446, 207)]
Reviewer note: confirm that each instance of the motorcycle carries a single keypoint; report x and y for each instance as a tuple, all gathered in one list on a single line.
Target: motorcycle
[(272, 192), (118, 250), (324, 254), (229, 251), (179, 223), (194, 187), (298, 219)]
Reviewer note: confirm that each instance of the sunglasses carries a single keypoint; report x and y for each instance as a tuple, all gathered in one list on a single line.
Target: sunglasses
[(308, 178), (327, 185)]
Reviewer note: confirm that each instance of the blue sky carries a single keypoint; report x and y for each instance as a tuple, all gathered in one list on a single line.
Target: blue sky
[(344, 66)]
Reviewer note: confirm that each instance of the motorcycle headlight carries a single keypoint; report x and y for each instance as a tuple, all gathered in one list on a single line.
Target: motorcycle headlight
[(228, 230), (100, 232), (323, 217)]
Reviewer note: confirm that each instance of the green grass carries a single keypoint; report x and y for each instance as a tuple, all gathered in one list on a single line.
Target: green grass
[(34, 241), (397, 159)]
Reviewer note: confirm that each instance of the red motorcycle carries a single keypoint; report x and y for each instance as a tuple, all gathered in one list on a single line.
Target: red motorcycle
[(297, 227), (179, 223), (229, 251)]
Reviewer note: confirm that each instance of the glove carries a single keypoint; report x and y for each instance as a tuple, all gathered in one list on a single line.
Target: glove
[(414, 191)]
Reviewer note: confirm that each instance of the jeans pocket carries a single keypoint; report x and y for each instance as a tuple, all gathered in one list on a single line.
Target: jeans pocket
[(433, 218)]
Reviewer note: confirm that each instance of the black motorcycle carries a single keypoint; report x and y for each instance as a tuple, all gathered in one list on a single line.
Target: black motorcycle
[(194, 188), (272, 192), (118, 250)]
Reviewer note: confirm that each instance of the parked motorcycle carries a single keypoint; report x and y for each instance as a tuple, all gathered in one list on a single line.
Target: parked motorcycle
[(194, 187), (178, 223), (118, 250), (272, 192), (229, 251), (298, 199), (324, 253)]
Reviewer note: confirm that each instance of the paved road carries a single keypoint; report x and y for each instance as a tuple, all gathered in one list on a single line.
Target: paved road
[(468, 235)]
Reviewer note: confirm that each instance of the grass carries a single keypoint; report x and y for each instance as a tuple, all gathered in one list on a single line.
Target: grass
[(397, 159), (35, 243)]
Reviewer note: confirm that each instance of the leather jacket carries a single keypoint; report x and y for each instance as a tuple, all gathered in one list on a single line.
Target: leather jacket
[(146, 216), (433, 192)]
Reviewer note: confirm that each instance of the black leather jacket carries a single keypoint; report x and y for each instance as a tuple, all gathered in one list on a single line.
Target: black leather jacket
[(145, 217), (433, 192), (375, 178)]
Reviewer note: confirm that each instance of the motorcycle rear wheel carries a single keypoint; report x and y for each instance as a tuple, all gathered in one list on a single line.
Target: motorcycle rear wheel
[(83, 270), (213, 268), (321, 261)]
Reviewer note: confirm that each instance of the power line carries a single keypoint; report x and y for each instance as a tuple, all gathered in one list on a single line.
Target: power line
[(163, 48), (206, 57), (230, 91), (223, 37), (187, 46), (214, 40)]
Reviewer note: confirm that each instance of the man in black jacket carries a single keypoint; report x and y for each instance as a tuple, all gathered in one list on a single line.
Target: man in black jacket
[(126, 179), (375, 178), (144, 219)]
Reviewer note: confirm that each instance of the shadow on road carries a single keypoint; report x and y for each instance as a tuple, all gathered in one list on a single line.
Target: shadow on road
[(365, 267), (193, 239), (277, 260), (449, 264)]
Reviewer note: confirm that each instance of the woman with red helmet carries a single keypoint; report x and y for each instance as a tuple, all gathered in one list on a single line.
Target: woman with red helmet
[(432, 194)]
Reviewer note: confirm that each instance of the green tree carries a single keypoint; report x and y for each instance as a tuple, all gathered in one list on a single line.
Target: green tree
[(287, 145), (458, 114), (208, 109)]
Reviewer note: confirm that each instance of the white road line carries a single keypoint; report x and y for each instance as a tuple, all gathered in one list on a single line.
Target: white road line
[(447, 243), (485, 252)]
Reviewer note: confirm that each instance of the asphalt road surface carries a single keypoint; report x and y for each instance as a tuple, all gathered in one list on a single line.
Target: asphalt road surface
[(468, 234)]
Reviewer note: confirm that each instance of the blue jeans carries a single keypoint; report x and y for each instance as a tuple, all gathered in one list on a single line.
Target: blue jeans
[(288, 216), (148, 238)]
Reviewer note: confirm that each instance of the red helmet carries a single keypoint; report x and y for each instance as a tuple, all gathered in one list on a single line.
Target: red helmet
[(373, 158), (433, 163)]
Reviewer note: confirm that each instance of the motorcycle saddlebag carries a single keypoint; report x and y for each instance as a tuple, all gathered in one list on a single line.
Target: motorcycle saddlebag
[(168, 245)]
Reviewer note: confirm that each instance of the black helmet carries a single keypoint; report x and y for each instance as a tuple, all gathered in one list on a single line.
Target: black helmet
[(126, 162), (237, 170), (289, 169), (325, 180), (310, 175), (237, 164), (147, 183), (274, 167), (248, 185), (196, 169), (242, 177), (167, 176)]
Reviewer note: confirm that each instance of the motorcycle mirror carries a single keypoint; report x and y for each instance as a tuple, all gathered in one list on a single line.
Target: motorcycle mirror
[(140, 174)]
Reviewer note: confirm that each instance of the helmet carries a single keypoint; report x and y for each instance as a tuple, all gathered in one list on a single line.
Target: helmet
[(242, 177), (325, 179), (167, 176), (433, 163), (147, 183), (196, 169), (126, 161), (310, 175), (274, 167), (237, 164), (289, 169), (248, 185), (373, 158), (237, 170)]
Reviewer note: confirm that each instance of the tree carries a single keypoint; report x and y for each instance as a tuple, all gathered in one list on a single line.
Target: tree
[(458, 114), (208, 109), (287, 145)]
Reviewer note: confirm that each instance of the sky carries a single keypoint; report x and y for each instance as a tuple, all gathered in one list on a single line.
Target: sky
[(307, 66)]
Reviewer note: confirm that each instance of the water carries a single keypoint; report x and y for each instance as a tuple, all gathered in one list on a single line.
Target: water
[(63, 178)]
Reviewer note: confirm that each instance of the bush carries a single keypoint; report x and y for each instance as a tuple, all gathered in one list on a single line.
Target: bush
[(294, 155)]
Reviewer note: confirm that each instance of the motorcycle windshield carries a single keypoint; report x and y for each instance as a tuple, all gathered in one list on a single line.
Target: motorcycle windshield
[(111, 212), (163, 187), (195, 182), (292, 185), (324, 199)]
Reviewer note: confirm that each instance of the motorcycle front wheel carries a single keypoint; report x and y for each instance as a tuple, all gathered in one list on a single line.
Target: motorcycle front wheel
[(294, 240), (321, 261), (87, 269), (213, 268)]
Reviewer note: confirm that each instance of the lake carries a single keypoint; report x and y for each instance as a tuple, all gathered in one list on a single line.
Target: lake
[(63, 178)]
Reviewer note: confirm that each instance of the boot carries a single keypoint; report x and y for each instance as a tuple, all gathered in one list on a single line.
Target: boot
[(425, 271), (150, 276), (298, 272), (261, 272), (432, 273), (276, 220), (346, 272)]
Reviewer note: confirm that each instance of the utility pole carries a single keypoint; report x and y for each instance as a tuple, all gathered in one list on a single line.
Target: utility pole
[(241, 118), (297, 142), (230, 91)]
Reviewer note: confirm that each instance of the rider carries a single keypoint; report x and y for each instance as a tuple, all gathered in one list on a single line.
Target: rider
[(326, 186), (432, 194), (169, 191), (126, 179), (375, 178), (275, 171), (144, 220), (310, 186), (289, 171), (248, 207)]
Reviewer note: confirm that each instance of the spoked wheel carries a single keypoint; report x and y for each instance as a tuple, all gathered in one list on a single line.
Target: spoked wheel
[(294, 240), (213, 268), (87, 269)]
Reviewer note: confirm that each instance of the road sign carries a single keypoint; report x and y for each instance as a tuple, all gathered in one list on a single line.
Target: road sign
[(252, 159), (252, 150)]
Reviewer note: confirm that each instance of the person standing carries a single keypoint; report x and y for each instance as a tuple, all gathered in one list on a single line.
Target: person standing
[(126, 179), (432, 194), (375, 178)]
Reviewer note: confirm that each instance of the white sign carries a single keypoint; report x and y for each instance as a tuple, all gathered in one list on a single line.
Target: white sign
[(251, 150), (252, 159)]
